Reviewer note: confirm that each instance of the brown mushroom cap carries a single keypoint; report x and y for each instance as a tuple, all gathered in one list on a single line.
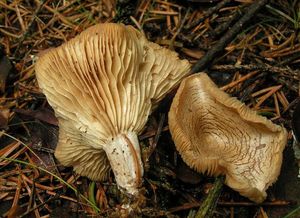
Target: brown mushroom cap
[(217, 134), (102, 85)]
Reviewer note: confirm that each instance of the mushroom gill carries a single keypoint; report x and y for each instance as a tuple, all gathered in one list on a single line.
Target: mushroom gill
[(217, 134), (102, 86)]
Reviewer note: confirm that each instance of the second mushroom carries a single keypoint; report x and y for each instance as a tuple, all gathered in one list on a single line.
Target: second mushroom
[(218, 134), (102, 86)]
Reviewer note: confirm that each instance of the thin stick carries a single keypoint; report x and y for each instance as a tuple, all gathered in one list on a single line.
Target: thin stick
[(180, 27), (266, 96), (262, 91), (208, 13), (243, 78), (209, 204), (276, 105), (260, 67)]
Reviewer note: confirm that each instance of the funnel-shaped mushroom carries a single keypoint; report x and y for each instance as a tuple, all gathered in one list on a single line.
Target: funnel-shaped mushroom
[(102, 85), (218, 134)]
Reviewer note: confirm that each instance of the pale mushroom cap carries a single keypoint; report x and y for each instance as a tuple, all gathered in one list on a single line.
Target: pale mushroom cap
[(102, 85), (218, 134)]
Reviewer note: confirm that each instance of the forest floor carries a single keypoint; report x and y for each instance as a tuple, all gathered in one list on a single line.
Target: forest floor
[(259, 64)]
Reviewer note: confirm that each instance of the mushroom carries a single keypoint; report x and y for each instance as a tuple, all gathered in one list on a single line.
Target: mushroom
[(217, 134), (102, 86)]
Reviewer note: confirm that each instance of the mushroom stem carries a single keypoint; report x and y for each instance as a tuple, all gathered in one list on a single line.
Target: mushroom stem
[(124, 156)]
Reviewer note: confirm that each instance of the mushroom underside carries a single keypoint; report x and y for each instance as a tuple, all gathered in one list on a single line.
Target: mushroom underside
[(217, 134), (102, 86)]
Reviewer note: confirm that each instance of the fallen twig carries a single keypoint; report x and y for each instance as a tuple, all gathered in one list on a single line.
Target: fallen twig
[(208, 13), (209, 204), (253, 67)]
